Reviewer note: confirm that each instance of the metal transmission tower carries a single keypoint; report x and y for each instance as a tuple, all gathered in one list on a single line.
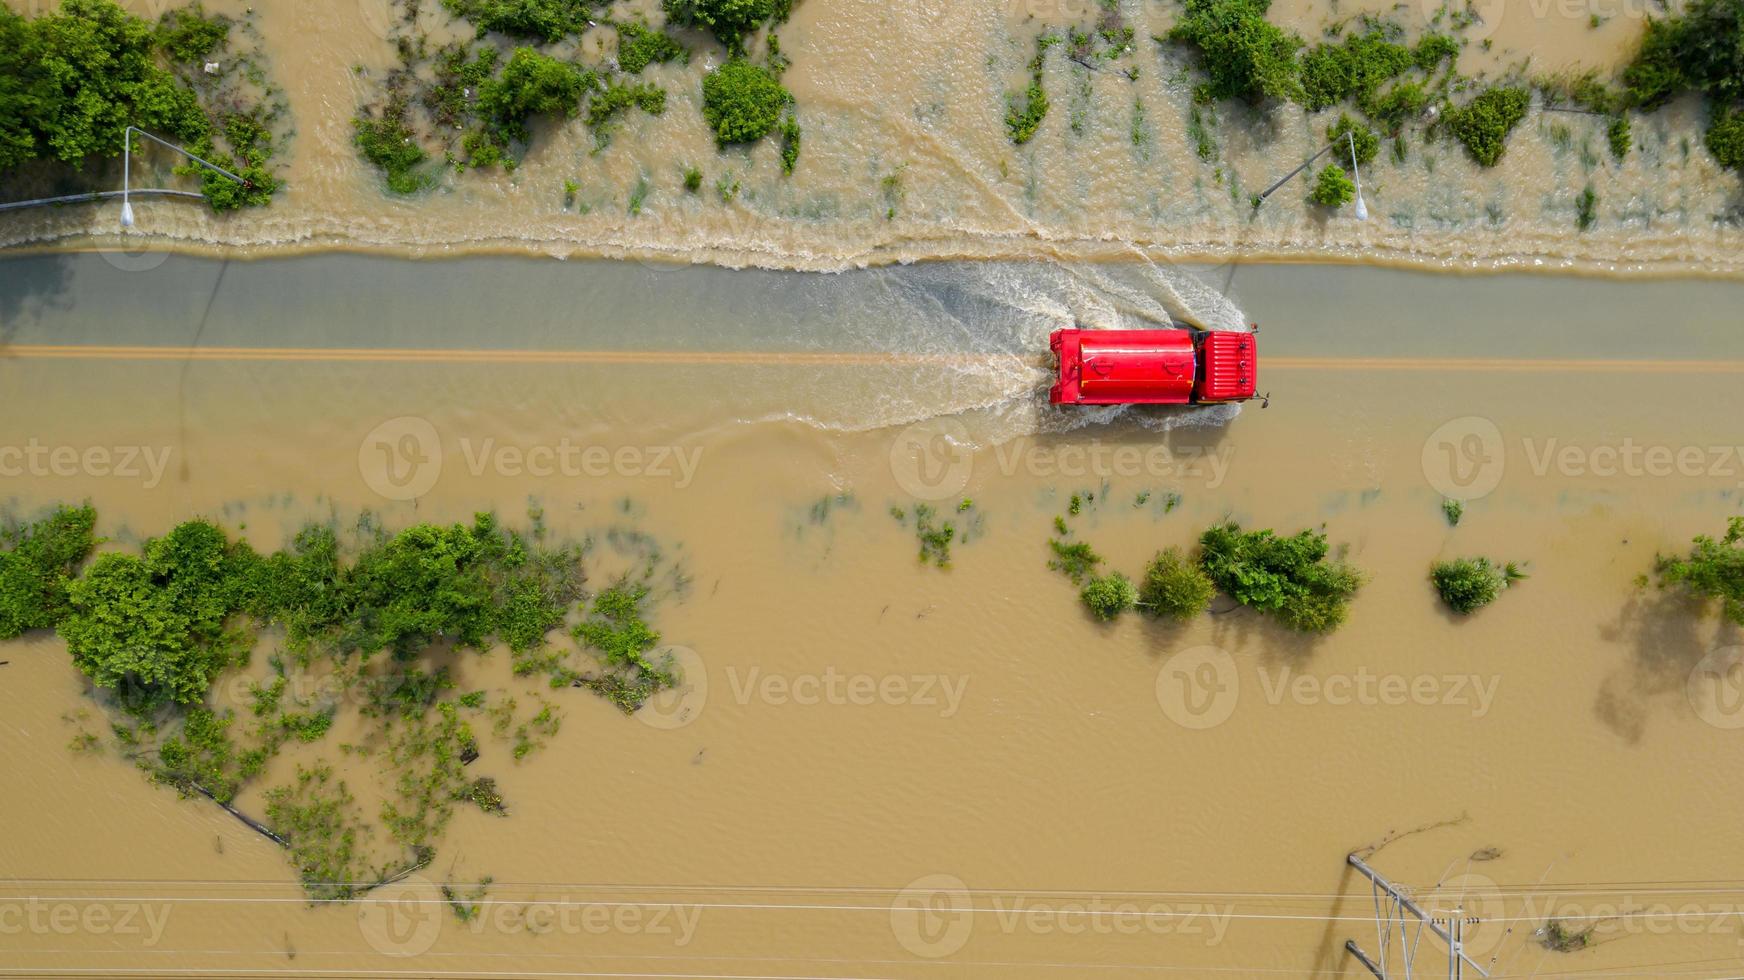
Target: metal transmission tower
[(1394, 911)]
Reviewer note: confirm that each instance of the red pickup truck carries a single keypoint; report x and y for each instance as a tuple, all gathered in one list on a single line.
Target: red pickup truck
[(1153, 367)]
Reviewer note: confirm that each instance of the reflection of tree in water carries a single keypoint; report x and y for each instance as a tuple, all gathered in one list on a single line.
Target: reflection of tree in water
[(30, 287), (1668, 633)]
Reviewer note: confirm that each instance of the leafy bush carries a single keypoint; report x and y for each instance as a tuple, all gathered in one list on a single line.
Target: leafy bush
[(614, 99), (742, 102), (1367, 143), (35, 564), (1244, 55), (1702, 50), (1076, 560), (187, 34), (615, 629), (1432, 49), (545, 20), (790, 137), (1725, 139), (1108, 596), (1353, 68), (1619, 136), (1400, 104), (151, 627), (1713, 569), (1586, 208), (1175, 587), (639, 47), (1469, 584), (1483, 124), (1290, 578), (1332, 188), (728, 20), (533, 84), (1453, 510)]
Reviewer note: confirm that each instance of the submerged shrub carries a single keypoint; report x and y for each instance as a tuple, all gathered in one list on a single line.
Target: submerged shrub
[(1108, 596), (1701, 50), (1175, 586), (1290, 578), (1725, 139), (533, 84), (36, 562), (1619, 136), (1354, 68), (1344, 131), (742, 102), (544, 20), (1483, 124), (615, 629), (728, 20), (1244, 55), (1713, 569), (387, 141), (1332, 188), (639, 47), (1076, 559), (187, 34), (1469, 584)]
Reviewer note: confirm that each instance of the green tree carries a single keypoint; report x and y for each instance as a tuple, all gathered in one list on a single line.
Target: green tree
[(729, 20), (1469, 584), (742, 102), (1244, 55), (1713, 569), (1483, 124), (1175, 587), (533, 84), (1332, 188), (36, 562), (1291, 578), (1107, 596), (151, 627)]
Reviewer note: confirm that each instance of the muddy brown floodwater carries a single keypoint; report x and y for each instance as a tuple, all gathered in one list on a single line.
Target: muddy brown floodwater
[(882, 769), (906, 155)]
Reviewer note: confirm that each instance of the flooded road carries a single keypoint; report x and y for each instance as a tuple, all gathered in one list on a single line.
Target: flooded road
[(883, 769)]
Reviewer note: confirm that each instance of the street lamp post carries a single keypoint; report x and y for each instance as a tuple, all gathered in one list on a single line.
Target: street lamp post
[(1362, 209), (126, 168)]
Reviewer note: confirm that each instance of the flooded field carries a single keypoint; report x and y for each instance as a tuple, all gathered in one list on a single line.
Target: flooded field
[(916, 163), (881, 768)]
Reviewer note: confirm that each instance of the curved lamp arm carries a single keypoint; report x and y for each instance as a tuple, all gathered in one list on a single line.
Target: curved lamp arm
[(127, 160)]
